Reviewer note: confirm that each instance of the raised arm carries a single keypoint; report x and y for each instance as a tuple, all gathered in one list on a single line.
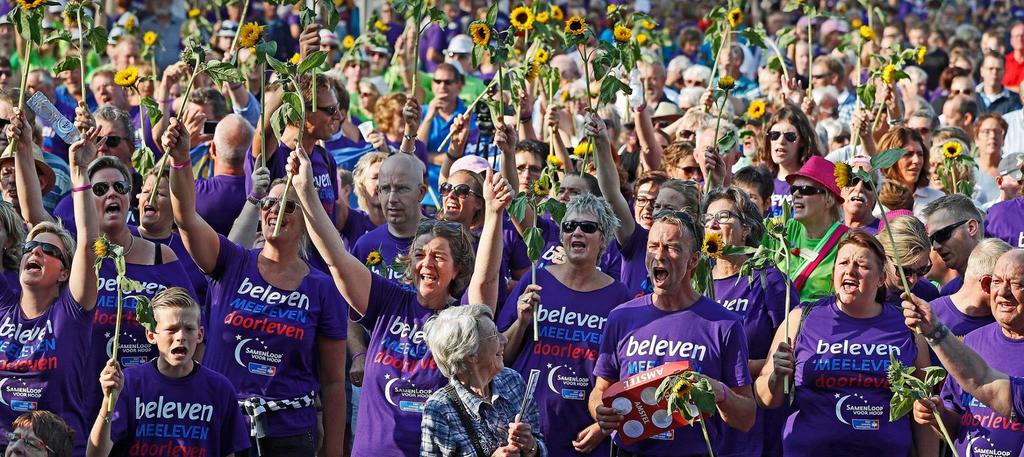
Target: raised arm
[(608, 177), (244, 230), (650, 148), (26, 178), (200, 239), (483, 285), (82, 283), (354, 283)]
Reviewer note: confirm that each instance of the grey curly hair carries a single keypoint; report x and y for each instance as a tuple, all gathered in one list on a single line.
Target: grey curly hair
[(455, 334), (599, 208)]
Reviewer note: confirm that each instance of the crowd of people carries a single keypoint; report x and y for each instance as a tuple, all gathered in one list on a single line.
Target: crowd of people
[(789, 195)]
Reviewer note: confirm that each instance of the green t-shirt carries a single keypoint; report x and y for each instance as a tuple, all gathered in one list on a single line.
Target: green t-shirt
[(819, 283), (473, 87)]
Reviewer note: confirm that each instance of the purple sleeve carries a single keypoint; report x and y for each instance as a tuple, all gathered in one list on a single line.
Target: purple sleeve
[(634, 245), (510, 312), (384, 295), (333, 313), (607, 365), (735, 372), (229, 256)]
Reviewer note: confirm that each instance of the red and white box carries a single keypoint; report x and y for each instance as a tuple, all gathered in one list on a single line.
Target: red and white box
[(645, 414)]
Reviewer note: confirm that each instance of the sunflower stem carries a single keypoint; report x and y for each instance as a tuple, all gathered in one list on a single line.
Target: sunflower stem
[(714, 63), (707, 439), (13, 144), (181, 110), (897, 258), (945, 432), (117, 339), (263, 112), (810, 57), (533, 280), (469, 109), (81, 51), (298, 144)]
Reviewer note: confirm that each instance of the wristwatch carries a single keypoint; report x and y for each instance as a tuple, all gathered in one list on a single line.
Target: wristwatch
[(253, 199), (939, 333)]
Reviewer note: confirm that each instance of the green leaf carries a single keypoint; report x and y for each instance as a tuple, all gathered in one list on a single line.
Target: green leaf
[(224, 72), (534, 240), (58, 35), (267, 48), (727, 142), (899, 406), (144, 312), (555, 207), (312, 61), (517, 209), (609, 87), (294, 103), (280, 67), (69, 63), (279, 120), (866, 94), (887, 158), (478, 52), (152, 110), (438, 17), (97, 37), (143, 160), (754, 36), (492, 14)]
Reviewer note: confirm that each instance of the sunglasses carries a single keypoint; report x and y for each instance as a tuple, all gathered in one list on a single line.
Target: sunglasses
[(943, 234), (806, 191), (101, 188), (32, 442), (789, 136), (48, 248), (269, 203), (459, 190), (919, 272), (690, 171), (111, 141), (328, 110), (961, 91), (444, 82), (586, 226)]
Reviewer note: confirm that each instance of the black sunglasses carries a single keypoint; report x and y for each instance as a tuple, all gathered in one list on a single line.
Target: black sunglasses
[(943, 234), (444, 82), (919, 272), (101, 188), (789, 136), (459, 190), (328, 110), (269, 203), (586, 226), (47, 248), (806, 191), (112, 141)]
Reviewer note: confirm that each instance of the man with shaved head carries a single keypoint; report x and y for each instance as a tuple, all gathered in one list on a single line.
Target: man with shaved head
[(220, 198)]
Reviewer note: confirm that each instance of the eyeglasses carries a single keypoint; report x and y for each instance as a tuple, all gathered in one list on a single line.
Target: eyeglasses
[(690, 171), (328, 110), (789, 136), (6, 73), (269, 203), (101, 188), (719, 218), (821, 75), (377, 55), (943, 234), (444, 82), (967, 91), (112, 141), (397, 190), (32, 442), (49, 249), (459, 190), (641, 202), (919, 272), (586, 226), (806, 191)]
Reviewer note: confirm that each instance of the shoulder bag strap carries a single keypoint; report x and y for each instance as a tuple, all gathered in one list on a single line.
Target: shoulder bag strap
[(467, 423), (832, 241)]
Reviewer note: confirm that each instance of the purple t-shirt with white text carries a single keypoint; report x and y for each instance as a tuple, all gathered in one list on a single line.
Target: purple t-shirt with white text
[(196, 414), (779, 195), (1005, 220), (219, 200), (842, 392), (42, 364), (400, 373), (389, 247), (983, 431), (264, 338), (569, 328), (325, 173), (639, 336)]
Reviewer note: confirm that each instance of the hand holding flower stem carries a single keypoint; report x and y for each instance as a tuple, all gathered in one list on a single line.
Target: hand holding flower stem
[(181, 110), (298, 143)]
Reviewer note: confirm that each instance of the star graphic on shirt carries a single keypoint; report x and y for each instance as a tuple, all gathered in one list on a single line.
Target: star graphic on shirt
[(549, 366), (387, 375), (837, 395), (238, 337), (106, 335)]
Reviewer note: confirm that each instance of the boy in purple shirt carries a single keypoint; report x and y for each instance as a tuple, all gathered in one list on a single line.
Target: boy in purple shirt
[(204, 417)]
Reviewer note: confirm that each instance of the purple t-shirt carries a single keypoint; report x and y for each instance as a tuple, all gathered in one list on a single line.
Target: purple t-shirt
[(357, 224), (842, 393), (952, 287), (639, 336), (42, 364), (400, 372), (195, 275), (959, 323), (389, 247), (263, 338), (1005, 221), (133, 347), (325, 173), (779, 195), (923, 289), (569, 327), (193, 415), (633, 270), (982, 430), (219, 200), (432, 38)]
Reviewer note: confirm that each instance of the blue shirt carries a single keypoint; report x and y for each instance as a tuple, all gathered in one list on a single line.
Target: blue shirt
[(439, 127)]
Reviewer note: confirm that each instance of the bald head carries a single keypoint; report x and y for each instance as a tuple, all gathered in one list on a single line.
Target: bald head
[(232, 139), (406, 166)]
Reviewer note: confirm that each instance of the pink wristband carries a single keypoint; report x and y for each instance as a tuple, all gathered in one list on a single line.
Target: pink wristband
[(175, 166), (81, 188)]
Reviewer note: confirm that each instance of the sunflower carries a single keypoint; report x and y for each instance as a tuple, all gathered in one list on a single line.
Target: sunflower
[(921, 52), (583, 149), (194, 13), (541, 56), (250, 34), (842, 174), (129, 24), (713, 245), (481, 33), (541, 188), (101, 247), (856, 23), (888, 73), (611, 8), (127, 77), (735, 17), (565, 96), (543, 17), (622, 34), (952, 149), (726, 82), (575, 26), (642, 38), (295, 59), (381, 26), (373, 258), (533, 71), (348, 42), (682, 387), (29, 5), (554, 161), (556, 13), (648, 25), (756, 109), (521, 18), (149, 39), (867, 33)]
